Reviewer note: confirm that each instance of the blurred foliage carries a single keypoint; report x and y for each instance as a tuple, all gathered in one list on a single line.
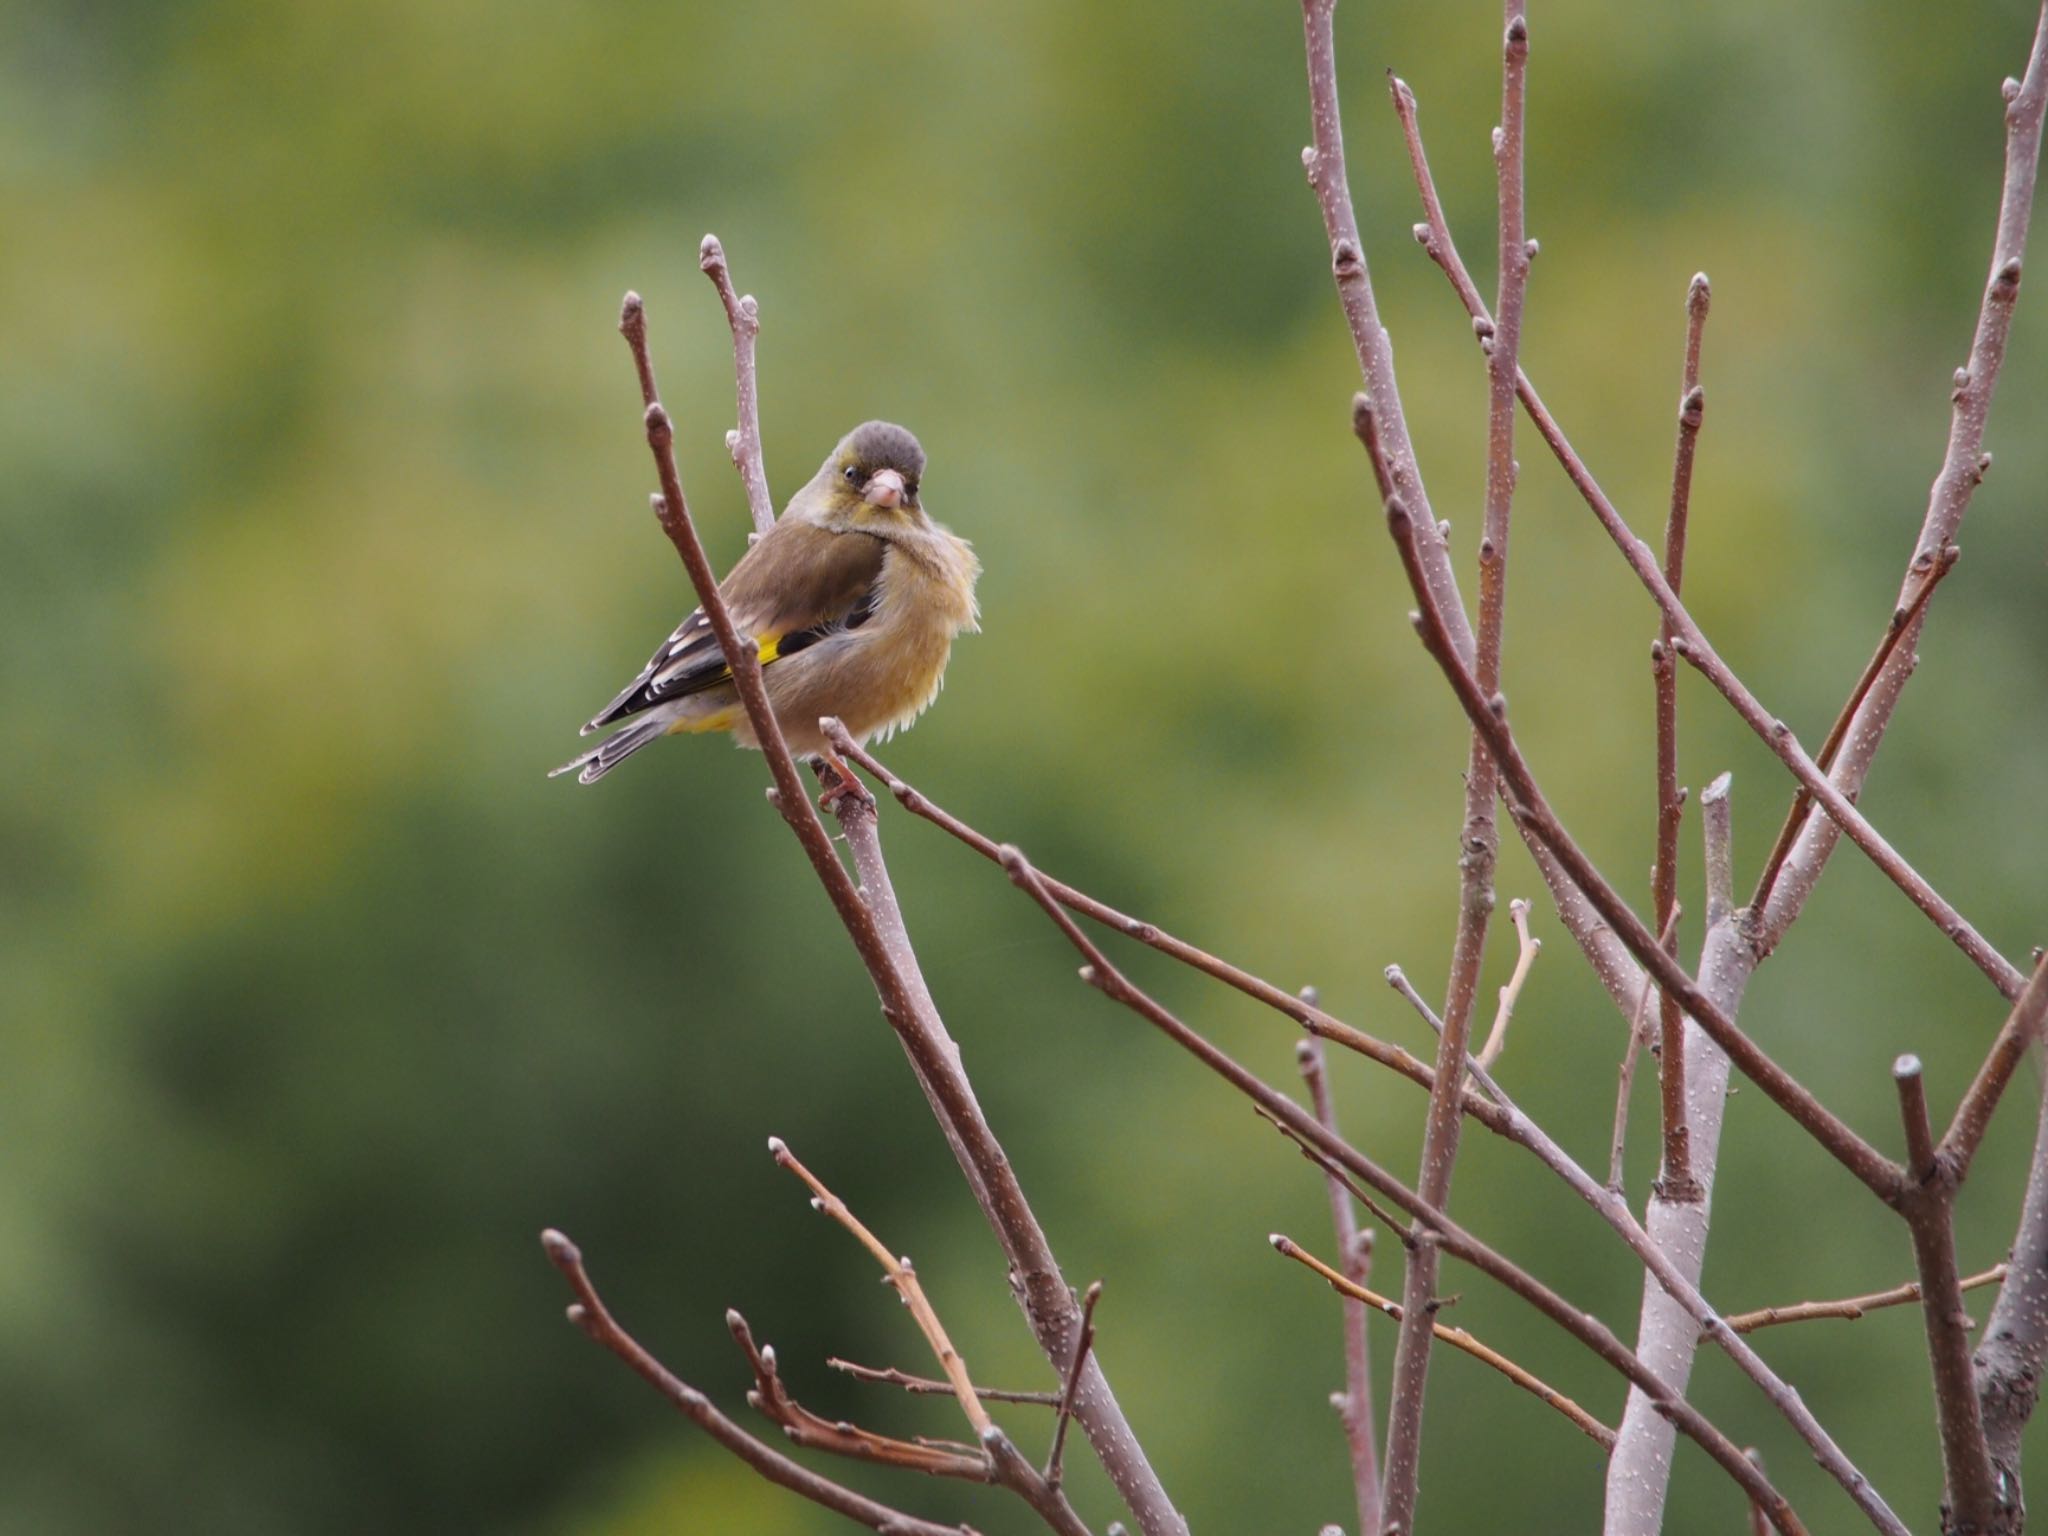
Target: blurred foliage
[(325, 522)]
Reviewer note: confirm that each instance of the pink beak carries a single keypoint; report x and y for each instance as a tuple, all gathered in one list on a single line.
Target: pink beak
[(885, 489)]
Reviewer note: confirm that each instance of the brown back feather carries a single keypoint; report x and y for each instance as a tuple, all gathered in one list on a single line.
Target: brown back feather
[(798, 577)]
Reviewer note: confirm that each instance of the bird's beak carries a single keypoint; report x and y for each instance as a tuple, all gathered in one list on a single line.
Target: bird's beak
[(885, 489)]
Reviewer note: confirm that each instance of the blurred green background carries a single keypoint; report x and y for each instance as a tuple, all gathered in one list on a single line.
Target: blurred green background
[(325, 524)]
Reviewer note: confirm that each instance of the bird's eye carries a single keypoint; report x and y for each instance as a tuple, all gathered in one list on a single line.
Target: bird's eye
[(853, 474), (910, 491)]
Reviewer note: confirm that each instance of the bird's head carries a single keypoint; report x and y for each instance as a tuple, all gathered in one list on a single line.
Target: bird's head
[(870, 481)]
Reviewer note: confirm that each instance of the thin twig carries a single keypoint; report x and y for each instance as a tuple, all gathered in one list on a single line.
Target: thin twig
[(803, 1427), (1004, 1463), (1479, 839), (1963, 467), (1398, 980), (588, 1313), (1611, 962), (1318, 1022), (1036, 1280), (1354, 1252), (1047, 1303), (1455, 1240), (918, 803), (902, 1277), (1693, 646), (2008, 1364), (1323, 161), (1017, 1474), (1876, 1171), (2021, 1029), (1403, 1233), (1458, 1338), (1850, 1308), (1638, 1038), (1689, 642), (1683, 1290), (927, 1386), (1527, 950), (1905, 619), (1728, 964), (1971, 1498), (1065, 1410), (743, 315), (915, 801), (1677, 1185), (1677, 1178), (1759, 1522)]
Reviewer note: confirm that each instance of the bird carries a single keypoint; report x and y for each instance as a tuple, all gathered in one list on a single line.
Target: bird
[(853, 599)]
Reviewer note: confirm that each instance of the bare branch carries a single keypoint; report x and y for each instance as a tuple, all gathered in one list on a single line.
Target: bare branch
[(2021, 1029), (926, 1386), (1323, 160), (1018, 1475), (1525, 957), (589, 1314), (906, 1003), (1441, 1228), (1611, 963), (1905, 620), (1458, 1338), (1321, 1024), (1065, 1410), (1963, 467), (1354, 1252), (1972, 1501), (918, 803), (1667, 1334), (902, 1277), (2009, 1362), (1693, 646), (1850, 1308), (743, 315), (1004, 1464), (1717, 833), (790, 798), (1403, 1233), (1877, 1172), (1638, 1039), (1683, 1290), (1689, 642), (1479, 841), (1041, 1290), (1676, 1183), (1398, 980), (808, 1429), (1677, 1180)]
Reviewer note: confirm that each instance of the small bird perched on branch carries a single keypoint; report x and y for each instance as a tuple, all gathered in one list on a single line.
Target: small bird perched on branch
[(853, 598)]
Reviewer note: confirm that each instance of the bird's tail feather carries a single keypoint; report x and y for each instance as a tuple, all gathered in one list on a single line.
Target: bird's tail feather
[(613, 750)]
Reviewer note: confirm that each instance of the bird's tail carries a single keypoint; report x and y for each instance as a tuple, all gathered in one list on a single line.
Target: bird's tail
[(614, 749)]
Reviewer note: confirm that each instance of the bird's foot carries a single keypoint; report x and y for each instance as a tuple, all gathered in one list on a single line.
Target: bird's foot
[(840, 785)]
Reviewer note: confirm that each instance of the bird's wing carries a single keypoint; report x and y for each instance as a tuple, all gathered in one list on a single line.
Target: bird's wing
[(797, 585)]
